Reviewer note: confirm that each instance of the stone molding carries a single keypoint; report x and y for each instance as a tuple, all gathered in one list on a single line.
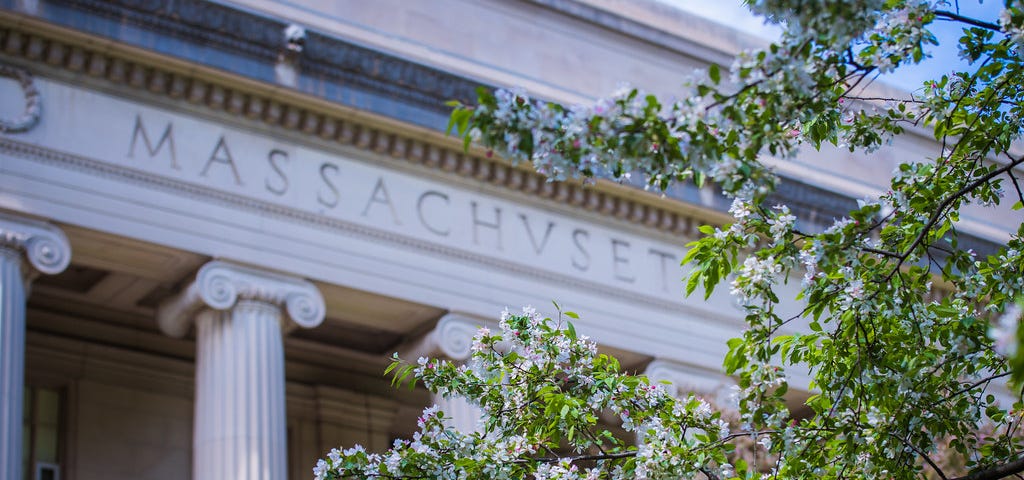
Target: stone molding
[(677, 41), (45, 46), (220, 285), (269, 106), (95, 167), (328, 59), (260, 37), (44, 246)]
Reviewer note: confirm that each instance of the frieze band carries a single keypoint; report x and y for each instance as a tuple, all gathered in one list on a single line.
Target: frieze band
[(810, 204)]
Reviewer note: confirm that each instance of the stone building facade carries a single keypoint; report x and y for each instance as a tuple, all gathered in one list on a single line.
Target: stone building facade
[(219, 219)]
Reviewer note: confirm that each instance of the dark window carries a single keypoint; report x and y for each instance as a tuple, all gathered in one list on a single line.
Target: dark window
[(41, 432)]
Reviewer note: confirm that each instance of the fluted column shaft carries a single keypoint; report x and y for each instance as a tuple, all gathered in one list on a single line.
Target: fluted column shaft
[(239, 428), (460, 414), (452, 338), (240, 410), (12, 361), (27, 248)]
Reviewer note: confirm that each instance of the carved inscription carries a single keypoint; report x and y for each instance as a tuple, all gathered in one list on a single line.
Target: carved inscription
[(167, 138), (339, 188)]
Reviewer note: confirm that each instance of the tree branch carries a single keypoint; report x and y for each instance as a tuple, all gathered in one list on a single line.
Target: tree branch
[(946, 203), (922, 455), (971, 387), (968, 20), (996, 472), (579, 458)]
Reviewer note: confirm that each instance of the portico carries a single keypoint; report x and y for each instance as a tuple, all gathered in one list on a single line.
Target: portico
[(328, 257), (233, 213)]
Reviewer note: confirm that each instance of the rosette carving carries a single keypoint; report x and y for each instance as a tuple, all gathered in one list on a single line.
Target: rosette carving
[(45, 246), (219, 285), (33, 102)]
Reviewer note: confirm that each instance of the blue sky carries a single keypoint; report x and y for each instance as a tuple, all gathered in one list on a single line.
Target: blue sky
[(944, 56)]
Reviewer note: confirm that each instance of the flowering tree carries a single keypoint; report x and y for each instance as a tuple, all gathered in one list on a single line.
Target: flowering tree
[(905, 374)]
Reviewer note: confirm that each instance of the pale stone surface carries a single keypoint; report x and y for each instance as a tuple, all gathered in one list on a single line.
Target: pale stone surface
[(390, 231), (589, 61), (221, 285), (43, 249), (239, 430), (460, 413)]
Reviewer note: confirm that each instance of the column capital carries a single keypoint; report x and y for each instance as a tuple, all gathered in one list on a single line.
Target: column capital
[(219, 285), (452, 338), (688, 378), (45, 246)]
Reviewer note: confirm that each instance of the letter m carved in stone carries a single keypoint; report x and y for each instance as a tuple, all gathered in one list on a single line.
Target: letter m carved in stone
[(166, 138)]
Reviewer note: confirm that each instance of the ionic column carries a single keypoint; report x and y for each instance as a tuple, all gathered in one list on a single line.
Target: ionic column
[(239, 425), (452, 339), (27, 248)]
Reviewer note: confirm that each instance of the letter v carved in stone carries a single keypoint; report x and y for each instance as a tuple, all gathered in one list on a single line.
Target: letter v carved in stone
[(538, 247)]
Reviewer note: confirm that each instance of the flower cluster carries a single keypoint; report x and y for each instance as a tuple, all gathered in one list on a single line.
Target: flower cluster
[(900, 366), (558, 386)]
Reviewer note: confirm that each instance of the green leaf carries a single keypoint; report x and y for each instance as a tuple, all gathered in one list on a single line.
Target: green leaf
[(714, 73)]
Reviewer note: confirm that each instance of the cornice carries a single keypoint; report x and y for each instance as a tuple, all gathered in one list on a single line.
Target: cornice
[(249, 44), (44, 46), (210, 23), (687, 43)]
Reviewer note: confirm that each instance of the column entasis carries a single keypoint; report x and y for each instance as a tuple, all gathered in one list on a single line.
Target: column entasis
[(239, 427), (452, 339), (27, 248)]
